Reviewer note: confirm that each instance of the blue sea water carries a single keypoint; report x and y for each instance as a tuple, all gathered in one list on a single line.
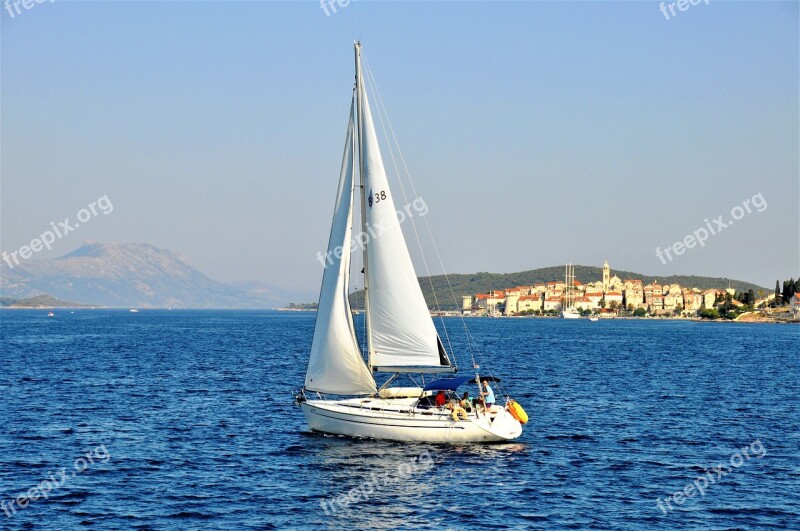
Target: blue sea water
[(189, 423)]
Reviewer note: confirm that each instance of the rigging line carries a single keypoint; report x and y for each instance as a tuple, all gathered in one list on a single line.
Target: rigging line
[(427, 225), (380, 107)]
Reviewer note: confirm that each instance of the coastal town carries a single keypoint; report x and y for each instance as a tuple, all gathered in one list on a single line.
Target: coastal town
[(612, 296)]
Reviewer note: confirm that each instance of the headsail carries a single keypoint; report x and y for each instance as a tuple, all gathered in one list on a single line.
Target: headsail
[(335, 365), (401, 332)]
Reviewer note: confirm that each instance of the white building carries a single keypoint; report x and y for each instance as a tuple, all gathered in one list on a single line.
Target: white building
[(794, 306)]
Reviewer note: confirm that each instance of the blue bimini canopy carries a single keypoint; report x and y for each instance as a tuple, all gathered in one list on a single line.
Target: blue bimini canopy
[(448, 384), (451, 384)]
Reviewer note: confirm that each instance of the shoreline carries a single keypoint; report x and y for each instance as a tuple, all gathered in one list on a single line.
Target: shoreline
[(693, 319)]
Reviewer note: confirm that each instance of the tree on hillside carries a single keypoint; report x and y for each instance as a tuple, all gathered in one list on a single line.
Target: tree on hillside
[(788, 290), (727, 304), (794, 288), (777, 292)]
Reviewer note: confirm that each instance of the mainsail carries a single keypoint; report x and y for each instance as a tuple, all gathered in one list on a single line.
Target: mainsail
[(400, 331), (335, 365)]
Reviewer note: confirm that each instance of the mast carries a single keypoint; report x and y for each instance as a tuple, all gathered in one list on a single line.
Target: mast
[(359, 135)]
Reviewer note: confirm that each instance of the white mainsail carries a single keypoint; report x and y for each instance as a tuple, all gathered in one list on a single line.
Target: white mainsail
[(400, 330), (335, 365)]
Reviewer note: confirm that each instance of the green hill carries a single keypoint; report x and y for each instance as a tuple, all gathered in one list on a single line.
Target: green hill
[(39, 301), (470, 284)]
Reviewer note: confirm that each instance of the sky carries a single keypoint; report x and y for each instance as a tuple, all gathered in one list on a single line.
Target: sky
[(537, 133)]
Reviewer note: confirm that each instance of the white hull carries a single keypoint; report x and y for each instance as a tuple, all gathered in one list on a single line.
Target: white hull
[(399, 420), (570, 314)]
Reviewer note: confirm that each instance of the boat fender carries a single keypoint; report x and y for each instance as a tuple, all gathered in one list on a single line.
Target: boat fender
[(517, 412)]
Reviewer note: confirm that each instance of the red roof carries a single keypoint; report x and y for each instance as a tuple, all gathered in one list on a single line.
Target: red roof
[(529, 297)]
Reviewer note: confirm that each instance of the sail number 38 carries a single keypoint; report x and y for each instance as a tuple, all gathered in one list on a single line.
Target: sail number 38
[(378, 197)]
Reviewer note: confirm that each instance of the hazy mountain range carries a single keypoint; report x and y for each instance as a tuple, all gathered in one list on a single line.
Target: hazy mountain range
[(135, 275)]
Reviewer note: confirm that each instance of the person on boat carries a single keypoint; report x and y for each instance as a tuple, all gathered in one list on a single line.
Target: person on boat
[(440, 399), (459, 413), (480, 405), (488, 395), (466, 402)]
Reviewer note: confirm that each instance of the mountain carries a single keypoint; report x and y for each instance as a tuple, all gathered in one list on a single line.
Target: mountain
[(470, 284), (39, 301), (133, 275)]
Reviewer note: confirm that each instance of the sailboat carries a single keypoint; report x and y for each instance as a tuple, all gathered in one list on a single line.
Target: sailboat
[(568, 310), (341, 395)]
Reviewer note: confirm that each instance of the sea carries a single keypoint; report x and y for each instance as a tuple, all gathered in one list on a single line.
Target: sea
[(187, 420)]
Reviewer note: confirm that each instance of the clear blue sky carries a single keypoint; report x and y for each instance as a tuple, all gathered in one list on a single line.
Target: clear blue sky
[(537, 133)]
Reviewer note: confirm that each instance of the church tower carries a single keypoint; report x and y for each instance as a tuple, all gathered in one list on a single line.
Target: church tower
[(606, 276)]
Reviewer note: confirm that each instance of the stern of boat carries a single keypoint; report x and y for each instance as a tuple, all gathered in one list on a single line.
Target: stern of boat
[(505, 426)]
